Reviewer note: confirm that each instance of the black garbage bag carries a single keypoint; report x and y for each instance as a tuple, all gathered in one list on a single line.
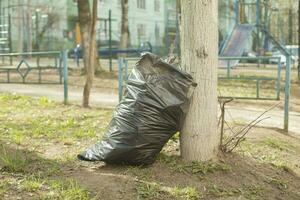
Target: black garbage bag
[(150, 113)]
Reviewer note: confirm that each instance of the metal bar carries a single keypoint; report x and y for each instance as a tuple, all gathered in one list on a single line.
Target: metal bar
[(249, 58), (40, 75), (65, 65), (236, 11), (249, 78), (120, 81), (31, 53), (10, 40), (228, 68), (8, 76), (110, 41), (126, 70), (287, 92), (257, 88), (60, 69), (248, 98), (30, 83), (258, 16), (55, 61), (278, 85)]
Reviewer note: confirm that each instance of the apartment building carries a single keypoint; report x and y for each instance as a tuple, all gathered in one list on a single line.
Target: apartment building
[(53, 24)]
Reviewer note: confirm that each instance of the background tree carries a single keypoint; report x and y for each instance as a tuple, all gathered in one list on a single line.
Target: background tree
[(199, 53), (87, 23), (125, 26)]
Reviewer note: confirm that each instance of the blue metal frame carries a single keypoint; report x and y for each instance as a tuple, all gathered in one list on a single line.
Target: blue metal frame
[(8, 69), (287, 92), (257, 79), (122, 75), (65, 73)]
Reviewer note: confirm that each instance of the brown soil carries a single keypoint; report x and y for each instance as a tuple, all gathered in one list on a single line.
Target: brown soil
[(247, 178)]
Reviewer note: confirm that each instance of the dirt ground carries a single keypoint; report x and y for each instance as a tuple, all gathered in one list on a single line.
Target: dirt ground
[(40, 139)]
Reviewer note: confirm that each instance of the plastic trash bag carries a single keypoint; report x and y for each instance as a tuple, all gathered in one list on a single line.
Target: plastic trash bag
[(151, 112)]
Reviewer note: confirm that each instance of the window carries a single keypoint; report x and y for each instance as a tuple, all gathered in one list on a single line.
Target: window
[(141, 4), (141, 32), (156, 5)]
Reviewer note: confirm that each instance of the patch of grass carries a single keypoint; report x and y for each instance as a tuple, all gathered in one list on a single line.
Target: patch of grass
[(279, 183), (218, 191), (17, 137), (69, 190), (148, 191), (278, 144), (253, 192), (4, 186), (200, 168), (24, 117), (14, 97), (275, 160), (143, 173), (44, 101), (32, 183), (175, 137), (188, 193), (263, 155), (12, 161)]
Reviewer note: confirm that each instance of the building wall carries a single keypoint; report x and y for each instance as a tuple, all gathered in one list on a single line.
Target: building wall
[(30, 18), (147, 20)]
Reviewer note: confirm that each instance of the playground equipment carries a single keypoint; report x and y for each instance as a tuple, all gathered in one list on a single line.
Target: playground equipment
[(113, 51), (5, 34), (35, 68), (252, 16), (235, 43)]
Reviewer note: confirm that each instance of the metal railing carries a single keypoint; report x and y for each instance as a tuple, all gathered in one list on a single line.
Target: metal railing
[(21, 65)]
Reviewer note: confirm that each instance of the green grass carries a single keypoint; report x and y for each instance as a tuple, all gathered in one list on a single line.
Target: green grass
[(12, 161), (148, 191), (199, 168), (188, 193), (279, 183), (278, 144), (264, 154), (33, 183), (218, 191), (4, 186), (24, 118), (66, 190)]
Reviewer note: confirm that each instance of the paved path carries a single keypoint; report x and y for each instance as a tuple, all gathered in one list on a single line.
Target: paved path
[(55, 92), (249, 113), (109, 98)]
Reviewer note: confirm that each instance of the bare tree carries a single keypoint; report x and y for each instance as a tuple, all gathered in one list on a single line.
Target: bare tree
[(87, 22), (199, 50), (125, 26)]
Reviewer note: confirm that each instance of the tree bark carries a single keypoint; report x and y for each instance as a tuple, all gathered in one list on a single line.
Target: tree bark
[(199, 46), (87, 22), (124, 27)]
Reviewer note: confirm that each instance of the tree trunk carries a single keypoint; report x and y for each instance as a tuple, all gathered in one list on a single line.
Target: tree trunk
[(87, 22), (199, 46), (125, 27)]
